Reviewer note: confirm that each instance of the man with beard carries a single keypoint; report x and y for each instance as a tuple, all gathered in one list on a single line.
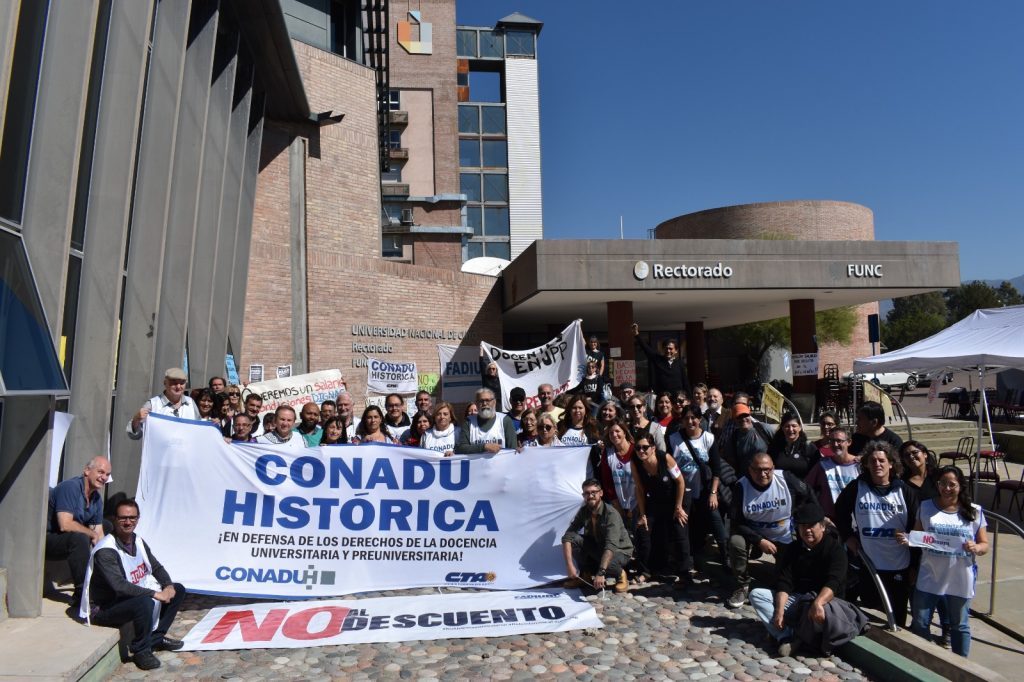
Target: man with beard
[(309, 424), (345, 413), (599, 540), (714, 418), (396, 421), (488, 430)]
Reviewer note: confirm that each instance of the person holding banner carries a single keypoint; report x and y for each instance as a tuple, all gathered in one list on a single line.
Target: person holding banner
[(421, 423), (396, 421), (527, 436), (789, 447), (577, 426), (669, 369), (127, 584), (371, 427), (488, 430), (283, 434), (441, 437), (596, 540), (172, 402), (333, 432), (547, 431), (948, 573), (663, 512), (309, 424)]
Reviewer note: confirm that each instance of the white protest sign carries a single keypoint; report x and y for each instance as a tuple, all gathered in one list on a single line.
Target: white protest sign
[(385, 376), (298, 390), (292, 625), (460, 372), (805, 364), (262, 520), (945, 544), (560, 362), (61, 424)]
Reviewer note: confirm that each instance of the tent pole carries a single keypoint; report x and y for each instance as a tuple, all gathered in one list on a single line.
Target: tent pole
[(981, 421)]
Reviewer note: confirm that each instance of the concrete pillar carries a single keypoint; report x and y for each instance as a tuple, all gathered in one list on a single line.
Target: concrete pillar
[(246, 205), (146, 247), (297, 213), (696, 353), (25, 463), (803, 339), (8, 31), (106, 231), (620, 336), (56, 145)]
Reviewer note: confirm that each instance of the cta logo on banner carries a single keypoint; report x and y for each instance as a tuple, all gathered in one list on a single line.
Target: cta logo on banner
[(383, 376), (297, 390), (560, 362), (460, 372), (389, 619), (261, 520)]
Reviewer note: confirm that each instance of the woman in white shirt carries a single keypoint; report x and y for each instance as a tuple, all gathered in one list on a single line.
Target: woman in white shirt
[(944, 575)]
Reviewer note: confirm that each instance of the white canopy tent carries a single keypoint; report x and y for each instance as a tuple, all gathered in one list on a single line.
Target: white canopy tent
[(989, 340)]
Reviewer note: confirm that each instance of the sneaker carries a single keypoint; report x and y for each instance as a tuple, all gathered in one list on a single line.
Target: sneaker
[(145, 660), (168, 644), (623, 583), (738, 598), (788, 647), (943, 639)]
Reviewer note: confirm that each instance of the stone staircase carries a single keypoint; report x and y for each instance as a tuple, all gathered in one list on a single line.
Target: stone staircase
[(938, 435)]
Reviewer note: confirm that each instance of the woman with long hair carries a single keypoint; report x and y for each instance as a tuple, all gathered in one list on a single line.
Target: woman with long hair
[(827, 421), (420, 423), (333, 432), (577, 426), (663, 409), (885, 509), (615, 473), (663, 503), (636, 413), (944, 576), (789, 448), (371, 427), (919, 464), (443, 435), (205, 403)]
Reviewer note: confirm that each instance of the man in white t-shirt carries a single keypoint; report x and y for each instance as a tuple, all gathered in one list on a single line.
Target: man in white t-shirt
[(488, 430), (284, 433)]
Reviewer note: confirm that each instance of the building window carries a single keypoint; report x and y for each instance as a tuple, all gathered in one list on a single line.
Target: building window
[(520, 43), (498, 250), (474, 249), (469, 119), (395, 139), (466, 42), (346, 30), (391, 246), (493, 120), (392, 175), (495, 187), (474, 219), (469, 153), (491, 45), (484, 86), (395, 100), (495, 153), (496, 222), (469, 184)]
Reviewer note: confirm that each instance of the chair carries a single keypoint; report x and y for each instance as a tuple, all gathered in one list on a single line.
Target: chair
[(964, 453), (988, 465), (1015, 488), (950, 404)]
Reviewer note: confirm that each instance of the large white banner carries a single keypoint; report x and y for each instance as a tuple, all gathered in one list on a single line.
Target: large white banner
[(389, 619), (385, 376), (260, 520), (298, 390), (460, 372), (561, 362)]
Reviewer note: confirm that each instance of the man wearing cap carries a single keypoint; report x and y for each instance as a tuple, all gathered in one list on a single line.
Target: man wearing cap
[(762, 518), (517, 399), (172, 402), (748, 438), (808, 595), (626, 391)]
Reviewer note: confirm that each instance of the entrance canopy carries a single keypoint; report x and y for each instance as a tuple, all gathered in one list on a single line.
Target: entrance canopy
[(992, 338), (719, 282)]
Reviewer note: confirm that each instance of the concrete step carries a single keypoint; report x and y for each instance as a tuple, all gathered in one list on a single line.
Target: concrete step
[(3, 594)]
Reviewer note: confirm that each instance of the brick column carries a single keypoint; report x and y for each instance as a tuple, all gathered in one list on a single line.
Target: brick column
[(696, 353), (620, 334), (802, 340)]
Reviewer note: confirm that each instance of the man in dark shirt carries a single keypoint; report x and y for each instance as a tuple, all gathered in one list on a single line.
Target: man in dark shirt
[(747, 438), (816, 564), (871, 426), (603, 548), (75, 521), (669, 369), (128, 584)]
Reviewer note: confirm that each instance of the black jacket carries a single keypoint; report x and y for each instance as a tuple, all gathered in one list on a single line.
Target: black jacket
[(667, 377)]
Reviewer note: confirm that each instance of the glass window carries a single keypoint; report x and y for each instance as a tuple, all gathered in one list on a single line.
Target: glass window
[(394, 100), (491, 44), (392, 175), (474, 250), (469, 153), (495, 187), (396, 139), (28, 361), (496, 220), (474, 220), (499, 250), (469, 119), (466, 42), (519, 43), (493, 120), (469, 184), (484, 86), (391, 246), (495, 154)]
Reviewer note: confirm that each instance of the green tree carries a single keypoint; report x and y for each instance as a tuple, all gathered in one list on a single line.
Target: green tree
[(913, 318), (967, 298), (1008, 294)]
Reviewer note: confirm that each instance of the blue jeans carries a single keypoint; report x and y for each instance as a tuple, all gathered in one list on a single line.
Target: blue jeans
[(763, 601), (958, 612)]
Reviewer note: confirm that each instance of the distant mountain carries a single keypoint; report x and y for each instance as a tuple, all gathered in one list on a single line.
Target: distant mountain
[(1018, 283)]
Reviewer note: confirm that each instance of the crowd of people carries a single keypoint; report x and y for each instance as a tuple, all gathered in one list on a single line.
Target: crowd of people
[(671, 474)]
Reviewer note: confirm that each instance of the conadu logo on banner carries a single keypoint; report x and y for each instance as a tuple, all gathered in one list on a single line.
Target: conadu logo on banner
[(641, 270)]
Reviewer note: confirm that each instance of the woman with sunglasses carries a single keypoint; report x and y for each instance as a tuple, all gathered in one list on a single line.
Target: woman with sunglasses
[(662, 505), (577, 426), (949, 577), (547, 431), (636, 413)]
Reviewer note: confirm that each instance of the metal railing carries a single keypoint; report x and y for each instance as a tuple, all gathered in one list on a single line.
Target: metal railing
[(989, 616), (873, 572)]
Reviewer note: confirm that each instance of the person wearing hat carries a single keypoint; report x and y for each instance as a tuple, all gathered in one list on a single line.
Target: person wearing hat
[(517, 399), (172, 402), (747, 438), (807, 602)]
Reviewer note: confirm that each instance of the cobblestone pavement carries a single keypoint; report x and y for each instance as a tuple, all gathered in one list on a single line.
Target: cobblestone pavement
[(651, 632)]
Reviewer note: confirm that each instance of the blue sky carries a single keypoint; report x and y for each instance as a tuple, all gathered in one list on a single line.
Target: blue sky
[(913, 108)]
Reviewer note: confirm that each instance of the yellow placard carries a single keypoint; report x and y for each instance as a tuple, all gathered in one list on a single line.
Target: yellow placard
[(874, 392), (772, 403)]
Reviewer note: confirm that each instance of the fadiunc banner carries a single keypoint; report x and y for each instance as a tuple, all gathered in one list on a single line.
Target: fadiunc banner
[(260, 520), (561, 362)]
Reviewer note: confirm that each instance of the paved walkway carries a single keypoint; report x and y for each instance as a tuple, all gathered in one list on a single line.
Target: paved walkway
[(650, 632)]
